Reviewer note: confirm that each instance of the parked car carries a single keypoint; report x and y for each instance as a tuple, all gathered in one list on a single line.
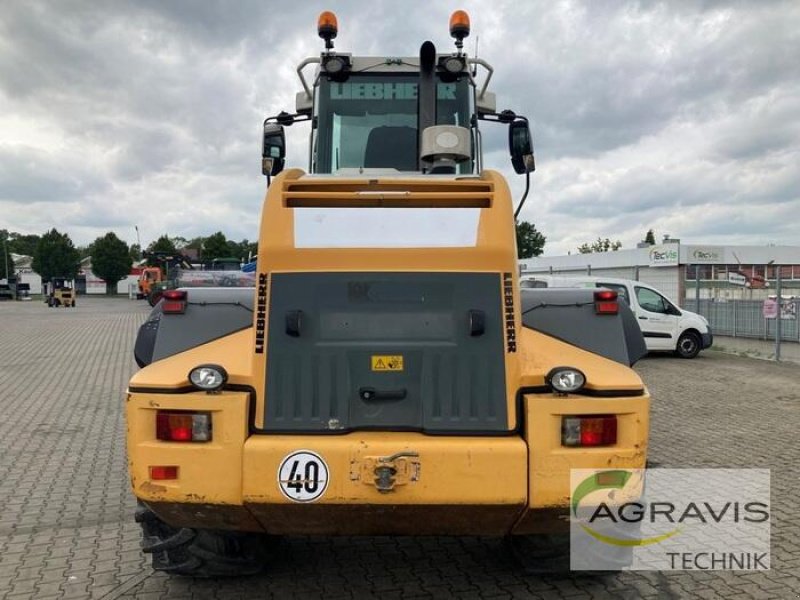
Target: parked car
[(665, 326)]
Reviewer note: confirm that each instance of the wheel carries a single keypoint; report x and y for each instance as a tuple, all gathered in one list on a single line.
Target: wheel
[(550, 553), (688, 345), (202, 552), (543, 553), (154, 297)]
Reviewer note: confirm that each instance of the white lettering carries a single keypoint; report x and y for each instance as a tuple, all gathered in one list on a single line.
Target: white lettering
[(387, 91)]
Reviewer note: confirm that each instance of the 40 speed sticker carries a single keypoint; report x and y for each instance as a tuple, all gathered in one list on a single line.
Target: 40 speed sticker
[(303, 476)]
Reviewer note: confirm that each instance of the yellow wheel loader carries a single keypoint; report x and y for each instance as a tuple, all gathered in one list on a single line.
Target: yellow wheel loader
[(386, 375)]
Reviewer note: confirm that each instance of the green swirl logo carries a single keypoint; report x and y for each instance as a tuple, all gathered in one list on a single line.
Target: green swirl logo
[(610, 480)]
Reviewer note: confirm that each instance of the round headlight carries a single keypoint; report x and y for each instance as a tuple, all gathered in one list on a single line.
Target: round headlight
[(453, 64), (566, 380), (209, 378), (335, 64)]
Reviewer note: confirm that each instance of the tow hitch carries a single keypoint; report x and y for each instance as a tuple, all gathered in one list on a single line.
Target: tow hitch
[(387, 472)]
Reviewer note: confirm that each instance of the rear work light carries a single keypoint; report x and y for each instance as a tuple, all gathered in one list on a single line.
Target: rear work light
[(605, 302), (183, 426), (589, 431), (174, 302), (565, 380)]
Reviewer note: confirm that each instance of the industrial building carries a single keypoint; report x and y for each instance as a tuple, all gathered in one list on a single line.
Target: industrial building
[(683, 270)]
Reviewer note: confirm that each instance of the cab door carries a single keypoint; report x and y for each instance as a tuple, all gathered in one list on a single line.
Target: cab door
[(656, 318)]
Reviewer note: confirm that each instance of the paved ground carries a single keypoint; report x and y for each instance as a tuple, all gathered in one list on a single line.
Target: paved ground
[(752, 348), (66, 527)]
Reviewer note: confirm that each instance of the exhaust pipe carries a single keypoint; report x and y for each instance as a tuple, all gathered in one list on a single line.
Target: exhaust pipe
[(426, 96)]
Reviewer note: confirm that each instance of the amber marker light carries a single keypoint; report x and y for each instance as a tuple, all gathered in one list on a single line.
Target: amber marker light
[(327, 26), (459, 25)]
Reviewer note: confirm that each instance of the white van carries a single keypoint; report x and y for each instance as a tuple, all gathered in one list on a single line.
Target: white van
[(664, 325)]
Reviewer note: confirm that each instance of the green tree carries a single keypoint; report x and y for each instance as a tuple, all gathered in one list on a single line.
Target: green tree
[(196, 243), (530, 242), (179, 242), (215, 246), (601, 245), (111, 260), (56, 256), (23, 244), (163, 244), (12, 242), (650, 238), (135, 252)]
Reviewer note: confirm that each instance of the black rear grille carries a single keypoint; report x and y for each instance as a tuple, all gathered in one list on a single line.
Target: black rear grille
[(326, 331)]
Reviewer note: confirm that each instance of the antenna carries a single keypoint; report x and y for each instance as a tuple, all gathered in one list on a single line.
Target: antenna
[(475, 65)]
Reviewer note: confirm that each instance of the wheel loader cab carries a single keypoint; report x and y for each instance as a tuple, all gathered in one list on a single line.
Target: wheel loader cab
[(404, 114)]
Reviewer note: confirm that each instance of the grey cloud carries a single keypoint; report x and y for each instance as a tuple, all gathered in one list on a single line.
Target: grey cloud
[(596, 80), (159, 106), (32, 175)]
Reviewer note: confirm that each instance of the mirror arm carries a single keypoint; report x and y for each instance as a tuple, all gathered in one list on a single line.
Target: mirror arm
[(506, 116), (489, 72), (287, 119), (524, 196), (303, 65)]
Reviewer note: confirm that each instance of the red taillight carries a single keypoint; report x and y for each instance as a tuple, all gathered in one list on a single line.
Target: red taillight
[(183, 426), (589, 431), (605, 302), (174, 302), (163, 472)]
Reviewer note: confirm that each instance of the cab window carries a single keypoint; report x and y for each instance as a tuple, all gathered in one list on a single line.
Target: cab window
[(532, 284), (370, 121), (652, 301)]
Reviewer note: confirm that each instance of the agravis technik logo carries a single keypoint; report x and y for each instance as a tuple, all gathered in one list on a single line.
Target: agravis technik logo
[(667, 519)]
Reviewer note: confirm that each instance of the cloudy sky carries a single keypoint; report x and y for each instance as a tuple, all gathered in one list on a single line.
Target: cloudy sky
[(681, 116)]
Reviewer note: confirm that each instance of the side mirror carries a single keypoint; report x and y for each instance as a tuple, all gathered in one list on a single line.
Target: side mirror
[(520, 145), (273, 150)]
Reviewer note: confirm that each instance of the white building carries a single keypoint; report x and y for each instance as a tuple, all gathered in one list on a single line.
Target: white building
[(723, 271), (87, 282)]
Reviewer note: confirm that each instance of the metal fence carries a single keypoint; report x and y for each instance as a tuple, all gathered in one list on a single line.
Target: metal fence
[(744, 318)]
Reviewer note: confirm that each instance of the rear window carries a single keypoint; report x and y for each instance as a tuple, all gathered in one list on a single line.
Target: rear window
[(532, 283)]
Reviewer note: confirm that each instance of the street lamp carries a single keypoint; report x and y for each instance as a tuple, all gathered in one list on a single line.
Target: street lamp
[(5, 245)]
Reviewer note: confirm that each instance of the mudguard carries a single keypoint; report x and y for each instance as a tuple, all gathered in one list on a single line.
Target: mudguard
[(211, 313), (569, 315)]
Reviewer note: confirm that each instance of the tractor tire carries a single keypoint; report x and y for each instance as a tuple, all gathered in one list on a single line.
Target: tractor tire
[(550, 553), (154, 297), (688, 345), (544, 553), (201, 552)]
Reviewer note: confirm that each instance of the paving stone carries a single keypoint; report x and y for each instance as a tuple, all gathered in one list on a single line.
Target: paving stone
[(66, 527)]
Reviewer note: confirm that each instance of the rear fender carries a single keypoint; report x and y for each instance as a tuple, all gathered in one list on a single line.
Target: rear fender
[(569, 315), (211, 313)]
